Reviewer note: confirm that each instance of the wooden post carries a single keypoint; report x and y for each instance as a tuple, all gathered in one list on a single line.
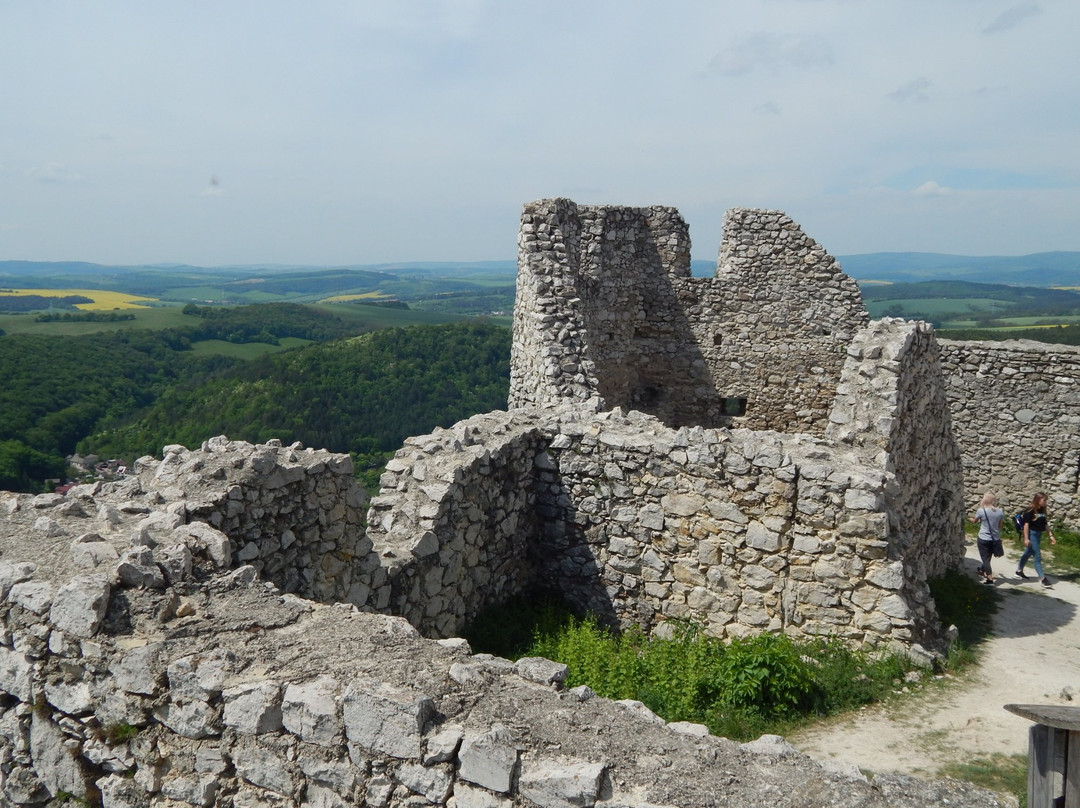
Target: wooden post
[(1053, 754)]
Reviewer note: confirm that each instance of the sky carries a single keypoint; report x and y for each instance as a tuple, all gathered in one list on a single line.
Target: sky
[(329, 132)]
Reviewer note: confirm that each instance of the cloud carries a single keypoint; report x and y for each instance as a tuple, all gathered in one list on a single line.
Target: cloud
[(1012, 17), (769, 52), (914, 90), (768, 108), (931, 188), (54, 173)]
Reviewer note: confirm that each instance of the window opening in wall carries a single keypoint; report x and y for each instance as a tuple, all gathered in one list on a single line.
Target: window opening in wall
[(732, 406)]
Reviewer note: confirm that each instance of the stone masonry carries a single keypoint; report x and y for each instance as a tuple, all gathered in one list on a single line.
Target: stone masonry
[(1016, 411)]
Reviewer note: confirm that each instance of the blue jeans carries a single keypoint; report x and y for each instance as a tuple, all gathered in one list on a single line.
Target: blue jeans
[(1032, 551)]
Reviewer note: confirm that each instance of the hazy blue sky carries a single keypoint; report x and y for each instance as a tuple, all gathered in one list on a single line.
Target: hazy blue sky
[(332, 132)]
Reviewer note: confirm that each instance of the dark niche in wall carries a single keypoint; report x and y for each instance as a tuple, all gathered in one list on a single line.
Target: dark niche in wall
[(732, 406)]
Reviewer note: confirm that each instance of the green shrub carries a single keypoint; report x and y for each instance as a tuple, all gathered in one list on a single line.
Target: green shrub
[(1066, 553), (739, 689)]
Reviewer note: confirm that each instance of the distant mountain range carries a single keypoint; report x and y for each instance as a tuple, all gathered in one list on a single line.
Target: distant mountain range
[(1037, 269)]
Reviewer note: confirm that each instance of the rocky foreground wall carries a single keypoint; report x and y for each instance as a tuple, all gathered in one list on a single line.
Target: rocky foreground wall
[(213, 689), (1016, 412)]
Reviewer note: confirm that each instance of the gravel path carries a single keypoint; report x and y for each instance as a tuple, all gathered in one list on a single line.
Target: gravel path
[(1033, 658)]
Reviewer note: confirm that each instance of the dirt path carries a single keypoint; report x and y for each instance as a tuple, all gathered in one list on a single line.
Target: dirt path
[(1033, 658)]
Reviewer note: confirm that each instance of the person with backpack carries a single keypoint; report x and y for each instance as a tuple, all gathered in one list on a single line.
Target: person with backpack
[(989, 516), (1036, 523)]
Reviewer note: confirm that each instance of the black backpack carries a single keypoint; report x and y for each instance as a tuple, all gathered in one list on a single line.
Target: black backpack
[(1018, 522)]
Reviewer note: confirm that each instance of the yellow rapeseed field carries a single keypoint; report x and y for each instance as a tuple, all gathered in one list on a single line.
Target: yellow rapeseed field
[(103, 300)]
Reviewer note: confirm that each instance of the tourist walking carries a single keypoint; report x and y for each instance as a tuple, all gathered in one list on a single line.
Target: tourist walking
[(989, 516), (1036, 523)]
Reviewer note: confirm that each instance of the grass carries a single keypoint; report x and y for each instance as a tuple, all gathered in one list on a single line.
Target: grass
[(1002, 773), (158, 317), (245, 350), (740, 689), (1065, 555)]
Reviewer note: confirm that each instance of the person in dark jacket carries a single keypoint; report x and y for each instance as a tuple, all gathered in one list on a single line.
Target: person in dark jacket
[(1036, 523)]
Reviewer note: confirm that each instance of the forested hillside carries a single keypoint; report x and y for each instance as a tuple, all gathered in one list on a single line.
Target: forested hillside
[(135, 390), (56, 390), (363, 395)]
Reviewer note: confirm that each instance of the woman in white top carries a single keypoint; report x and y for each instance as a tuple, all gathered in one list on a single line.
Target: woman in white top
[(989, 516)]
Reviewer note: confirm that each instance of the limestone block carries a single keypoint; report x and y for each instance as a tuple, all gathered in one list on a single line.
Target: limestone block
[(895, 606), (175, 563), (855, 499), (386, 719), (140, 670), (195, 719), (54, 764), (253, 709), (49, 528), (16, 675), (122, 792), (561, 784), (443, 745), (311, 711), (340, 775), (489, 759), (689, 728), (760, 537), (194, 790), (23, 787), (889, 576), (34, 596), (770, 746), (469, 797), (137, 569), (682, 504), (544, 671), (11, 574), (199, 678), (91, 554), (79, 606), (758, 577), (204, 539), (433, 783), (639, 709), (118, 707), (316, 796), (73, 699), (263, 768)]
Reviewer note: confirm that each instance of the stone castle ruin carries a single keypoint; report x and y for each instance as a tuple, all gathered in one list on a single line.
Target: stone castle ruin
[(239, 625)]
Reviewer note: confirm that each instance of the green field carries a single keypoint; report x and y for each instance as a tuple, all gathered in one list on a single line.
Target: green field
[(246, 350), (158, 317)]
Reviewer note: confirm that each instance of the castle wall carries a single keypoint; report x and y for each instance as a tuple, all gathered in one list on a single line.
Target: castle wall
[(296, 515), (607, 309), (1016, 412), (454, 523), (891, 406)]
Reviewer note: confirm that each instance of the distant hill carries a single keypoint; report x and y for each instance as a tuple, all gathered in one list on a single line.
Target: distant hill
[(1037, 269)]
